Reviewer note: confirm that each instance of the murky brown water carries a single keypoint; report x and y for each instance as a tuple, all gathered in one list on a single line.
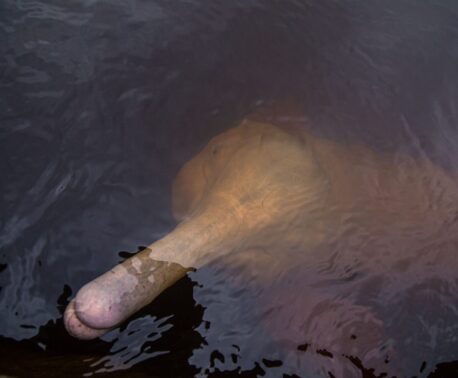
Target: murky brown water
[(102, 102)]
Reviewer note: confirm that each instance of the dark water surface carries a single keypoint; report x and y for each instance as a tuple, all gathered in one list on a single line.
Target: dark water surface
[(101, 102)]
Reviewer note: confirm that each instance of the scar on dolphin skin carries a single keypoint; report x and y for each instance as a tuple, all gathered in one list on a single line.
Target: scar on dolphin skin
[(259, 186)]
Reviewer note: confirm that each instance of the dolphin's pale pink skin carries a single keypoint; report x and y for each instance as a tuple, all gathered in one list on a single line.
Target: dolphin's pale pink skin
[(259, 187), (245, 186), (108, 300)]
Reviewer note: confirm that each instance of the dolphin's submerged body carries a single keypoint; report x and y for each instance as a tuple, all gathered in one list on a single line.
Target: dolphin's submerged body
[(345, 248)]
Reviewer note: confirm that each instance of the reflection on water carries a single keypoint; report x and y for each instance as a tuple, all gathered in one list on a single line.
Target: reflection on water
[(101, 103)]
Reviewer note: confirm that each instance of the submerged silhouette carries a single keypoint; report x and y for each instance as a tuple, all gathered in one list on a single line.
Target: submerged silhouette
[(268, 199)]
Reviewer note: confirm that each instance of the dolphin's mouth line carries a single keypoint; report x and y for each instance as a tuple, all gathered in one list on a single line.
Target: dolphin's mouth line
[(77, 327)]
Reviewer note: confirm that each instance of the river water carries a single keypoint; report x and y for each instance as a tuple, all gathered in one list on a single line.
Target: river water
[(101, 102)]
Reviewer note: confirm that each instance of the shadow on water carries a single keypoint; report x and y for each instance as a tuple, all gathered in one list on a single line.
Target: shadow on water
[(102, 102)]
